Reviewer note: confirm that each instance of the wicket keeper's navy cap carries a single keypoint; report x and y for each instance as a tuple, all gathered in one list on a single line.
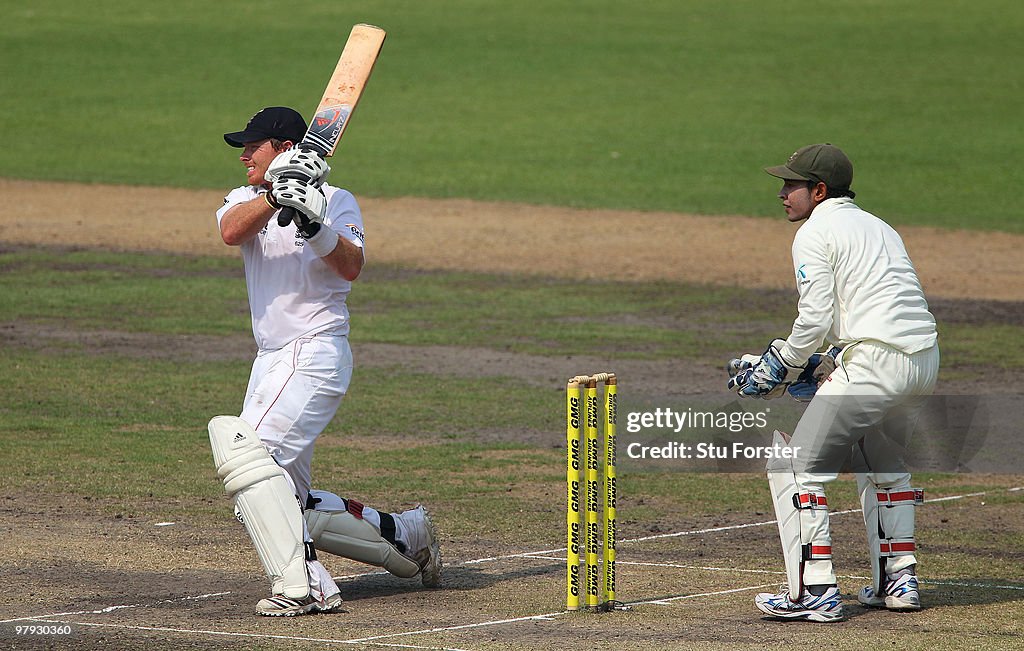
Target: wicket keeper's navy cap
[(823, 163), (278, 122)]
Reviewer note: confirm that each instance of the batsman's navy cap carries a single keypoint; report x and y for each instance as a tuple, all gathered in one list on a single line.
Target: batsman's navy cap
[(278, 122), (823, 163)]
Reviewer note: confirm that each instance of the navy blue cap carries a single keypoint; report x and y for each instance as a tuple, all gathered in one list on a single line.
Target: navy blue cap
[(278, 122)]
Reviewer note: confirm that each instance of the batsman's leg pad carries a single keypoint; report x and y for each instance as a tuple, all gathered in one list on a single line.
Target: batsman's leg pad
[(265, 501), (889, 521), (802, 514), (343, 534)]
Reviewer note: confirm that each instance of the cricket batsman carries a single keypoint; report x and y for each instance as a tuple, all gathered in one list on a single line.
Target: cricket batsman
[(298, 276)]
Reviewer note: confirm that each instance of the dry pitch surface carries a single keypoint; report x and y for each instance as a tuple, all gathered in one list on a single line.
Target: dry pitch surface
[(126, 583)]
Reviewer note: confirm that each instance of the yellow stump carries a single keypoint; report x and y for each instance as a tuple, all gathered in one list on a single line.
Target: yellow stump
[(572, 481), (593, 537), (610, 396)]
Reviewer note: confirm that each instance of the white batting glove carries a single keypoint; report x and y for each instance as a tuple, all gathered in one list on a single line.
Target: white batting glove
[(298, 163), (306, 199)]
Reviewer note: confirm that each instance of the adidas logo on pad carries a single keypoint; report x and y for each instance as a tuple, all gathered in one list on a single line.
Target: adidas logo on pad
[(239, 437)]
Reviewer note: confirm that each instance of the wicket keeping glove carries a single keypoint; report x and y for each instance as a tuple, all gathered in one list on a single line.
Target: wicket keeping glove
[(298, 163), (765, 379), (818, 368), (744, 363)]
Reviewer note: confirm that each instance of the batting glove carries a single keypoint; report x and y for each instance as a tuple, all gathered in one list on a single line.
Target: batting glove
[(298, 163), (307, 200)]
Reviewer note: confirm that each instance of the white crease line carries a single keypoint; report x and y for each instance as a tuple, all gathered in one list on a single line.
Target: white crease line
[(349, 577), (489, 559), (963, 584), (445, 629), (110, 609), (667, 601), (704, 568), (292, 638)]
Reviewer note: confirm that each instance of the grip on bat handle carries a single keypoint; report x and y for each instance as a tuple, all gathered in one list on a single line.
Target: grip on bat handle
[(286, 216)]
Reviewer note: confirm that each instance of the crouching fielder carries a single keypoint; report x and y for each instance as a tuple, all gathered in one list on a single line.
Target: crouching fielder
[(298, 275), (858, 292)]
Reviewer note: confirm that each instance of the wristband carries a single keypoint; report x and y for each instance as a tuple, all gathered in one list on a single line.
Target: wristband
[(269, 198), (325, 241)]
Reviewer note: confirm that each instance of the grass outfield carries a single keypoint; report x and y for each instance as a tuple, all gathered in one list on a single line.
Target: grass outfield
[(663, 105), (139, 415), (130, 292)]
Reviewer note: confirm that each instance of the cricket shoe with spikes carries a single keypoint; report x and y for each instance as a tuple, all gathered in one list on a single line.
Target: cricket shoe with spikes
[(826, 607), (900, 593), (422, 543), (280, 606)]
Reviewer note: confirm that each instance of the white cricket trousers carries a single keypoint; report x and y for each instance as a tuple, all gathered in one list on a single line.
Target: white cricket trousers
[(875, 395), (293, 394), (865, 411)]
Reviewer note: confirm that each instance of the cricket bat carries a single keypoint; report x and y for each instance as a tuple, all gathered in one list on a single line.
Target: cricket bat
[(341, 96)]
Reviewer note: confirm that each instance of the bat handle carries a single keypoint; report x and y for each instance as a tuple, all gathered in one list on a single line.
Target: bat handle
[(286, 216)]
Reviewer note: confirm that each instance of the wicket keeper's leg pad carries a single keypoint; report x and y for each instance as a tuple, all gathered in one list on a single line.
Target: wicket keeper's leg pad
[(802, 514), (888, 503)]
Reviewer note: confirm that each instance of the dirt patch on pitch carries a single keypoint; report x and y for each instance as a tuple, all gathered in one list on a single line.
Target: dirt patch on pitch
[(123, 582), (504, 237)]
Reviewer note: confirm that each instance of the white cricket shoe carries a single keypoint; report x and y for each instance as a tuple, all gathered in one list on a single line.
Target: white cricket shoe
[(280, 606), (827, 607), (421, 541), (901, 593)]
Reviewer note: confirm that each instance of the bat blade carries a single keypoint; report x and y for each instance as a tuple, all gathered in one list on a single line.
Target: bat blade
[(341, 96), (344, 89)]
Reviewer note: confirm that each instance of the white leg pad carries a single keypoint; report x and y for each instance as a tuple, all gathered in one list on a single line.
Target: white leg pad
[(264, 498), (343, 534), (869, 504), (802, 516), (889, 521)]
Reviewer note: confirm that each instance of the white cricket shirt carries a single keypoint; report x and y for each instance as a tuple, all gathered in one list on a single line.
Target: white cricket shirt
[(856, 283), (292, 292)]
